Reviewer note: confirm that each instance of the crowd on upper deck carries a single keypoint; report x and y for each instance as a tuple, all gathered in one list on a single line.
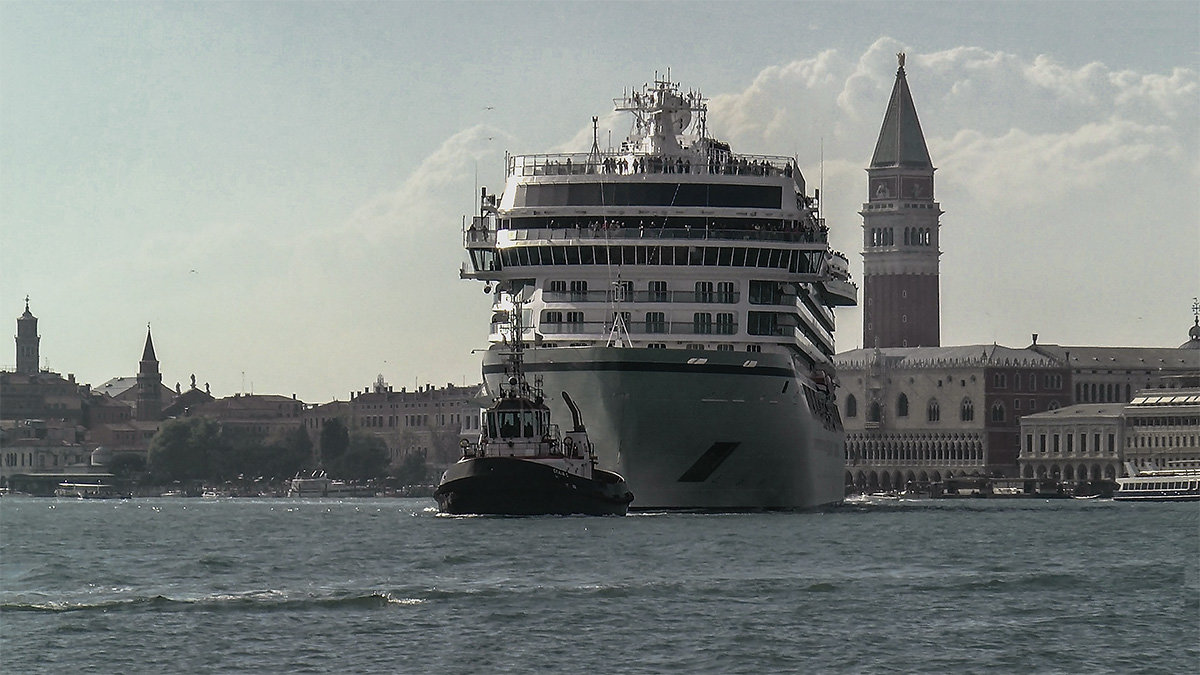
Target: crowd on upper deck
[(718, 164)]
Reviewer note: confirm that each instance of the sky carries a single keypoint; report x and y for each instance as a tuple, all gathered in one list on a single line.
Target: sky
[(278, 188)]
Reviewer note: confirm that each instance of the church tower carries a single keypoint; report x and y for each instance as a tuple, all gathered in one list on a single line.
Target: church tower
[(149, 385), (900, 233), (27, 342)]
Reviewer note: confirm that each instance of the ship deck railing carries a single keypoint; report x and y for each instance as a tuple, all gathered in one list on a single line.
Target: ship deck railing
[(475, 237), (616, 163)]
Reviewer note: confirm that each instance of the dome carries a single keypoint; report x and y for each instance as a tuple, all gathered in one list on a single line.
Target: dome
[(1194, 337), (101, 456)]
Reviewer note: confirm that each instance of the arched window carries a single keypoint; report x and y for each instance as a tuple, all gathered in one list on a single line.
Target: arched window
[(998, 412), (934, 412), (851, 406), (967, 410), (902, 406), (873, 412)]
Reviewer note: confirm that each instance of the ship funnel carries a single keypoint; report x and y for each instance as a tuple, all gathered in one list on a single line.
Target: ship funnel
[(578, 419)]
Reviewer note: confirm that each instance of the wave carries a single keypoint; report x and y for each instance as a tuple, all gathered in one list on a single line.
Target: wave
[(255, 601)]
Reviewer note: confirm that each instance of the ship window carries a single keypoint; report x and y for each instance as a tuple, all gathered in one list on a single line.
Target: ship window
[(704, 291), (623, 291), (656, 345), (761, 323), (559, 256), (658, 291), (579, 290), (765, 293), (586, 256), (702, 323), (572, 255), (724, 347), (725, 292), (739, 257), (710, 256), (656, 322), (557, 286), (725, 257), (726, 324), (681, 255)]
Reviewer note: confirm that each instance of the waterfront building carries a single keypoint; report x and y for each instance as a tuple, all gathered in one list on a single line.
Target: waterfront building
[(923, 414), (901, 232), (1114, 374), (428, 421), (1075, 443), (1162, 428), (31, 393), (259, 414)]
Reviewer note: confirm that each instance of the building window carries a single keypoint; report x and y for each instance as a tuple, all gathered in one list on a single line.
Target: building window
[(1000, 380), (873, 412), (967, 410), (998, 412), (902, 406), (933, 412)]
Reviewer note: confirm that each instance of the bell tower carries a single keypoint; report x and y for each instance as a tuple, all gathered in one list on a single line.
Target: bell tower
[(27, 342), (900, 233), (149, 385)]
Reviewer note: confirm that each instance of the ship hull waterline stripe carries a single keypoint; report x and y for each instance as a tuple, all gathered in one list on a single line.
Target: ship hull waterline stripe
[(721, 369)]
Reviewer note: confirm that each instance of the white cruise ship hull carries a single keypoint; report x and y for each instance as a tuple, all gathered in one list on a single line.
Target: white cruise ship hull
[(696, 429)]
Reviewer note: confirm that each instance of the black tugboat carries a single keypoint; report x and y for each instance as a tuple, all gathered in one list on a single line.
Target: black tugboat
[(522, 465)]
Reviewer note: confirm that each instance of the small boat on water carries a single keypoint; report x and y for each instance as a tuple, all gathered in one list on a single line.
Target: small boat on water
[(1178, 482), (522, 464), (86, 490), (321, 485)]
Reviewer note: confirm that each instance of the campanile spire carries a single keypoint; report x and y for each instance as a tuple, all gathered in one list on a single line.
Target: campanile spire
[(900, 232)]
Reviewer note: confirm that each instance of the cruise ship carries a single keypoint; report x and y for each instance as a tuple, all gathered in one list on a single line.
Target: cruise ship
[(683, 295)]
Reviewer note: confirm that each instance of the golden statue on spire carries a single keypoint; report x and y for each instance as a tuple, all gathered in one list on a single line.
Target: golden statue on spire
[(900, 58)]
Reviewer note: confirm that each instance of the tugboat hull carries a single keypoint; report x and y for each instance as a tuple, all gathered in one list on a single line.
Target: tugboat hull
[(517, 487)]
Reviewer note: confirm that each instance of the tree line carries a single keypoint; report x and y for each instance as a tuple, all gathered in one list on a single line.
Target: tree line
[(202, 449)]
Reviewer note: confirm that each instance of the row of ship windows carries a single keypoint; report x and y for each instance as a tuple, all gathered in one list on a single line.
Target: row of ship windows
[(1162, 485), (1061, 442), (761, 292), (799, 262), (702, 323)]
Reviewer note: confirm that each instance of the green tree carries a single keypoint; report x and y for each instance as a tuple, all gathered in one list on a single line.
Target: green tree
[(185, 449), (335, 440), (411, 470), (365, 458)]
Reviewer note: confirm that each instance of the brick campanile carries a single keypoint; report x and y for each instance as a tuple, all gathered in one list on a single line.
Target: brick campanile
[(900, 233)]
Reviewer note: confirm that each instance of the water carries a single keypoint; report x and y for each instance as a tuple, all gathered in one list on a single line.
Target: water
[(387, 585)]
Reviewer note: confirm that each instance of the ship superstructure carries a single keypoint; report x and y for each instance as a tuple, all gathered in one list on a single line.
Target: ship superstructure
[(691, 290)]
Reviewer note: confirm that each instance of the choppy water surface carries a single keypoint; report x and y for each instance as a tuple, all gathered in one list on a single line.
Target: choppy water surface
[(186, 585)]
